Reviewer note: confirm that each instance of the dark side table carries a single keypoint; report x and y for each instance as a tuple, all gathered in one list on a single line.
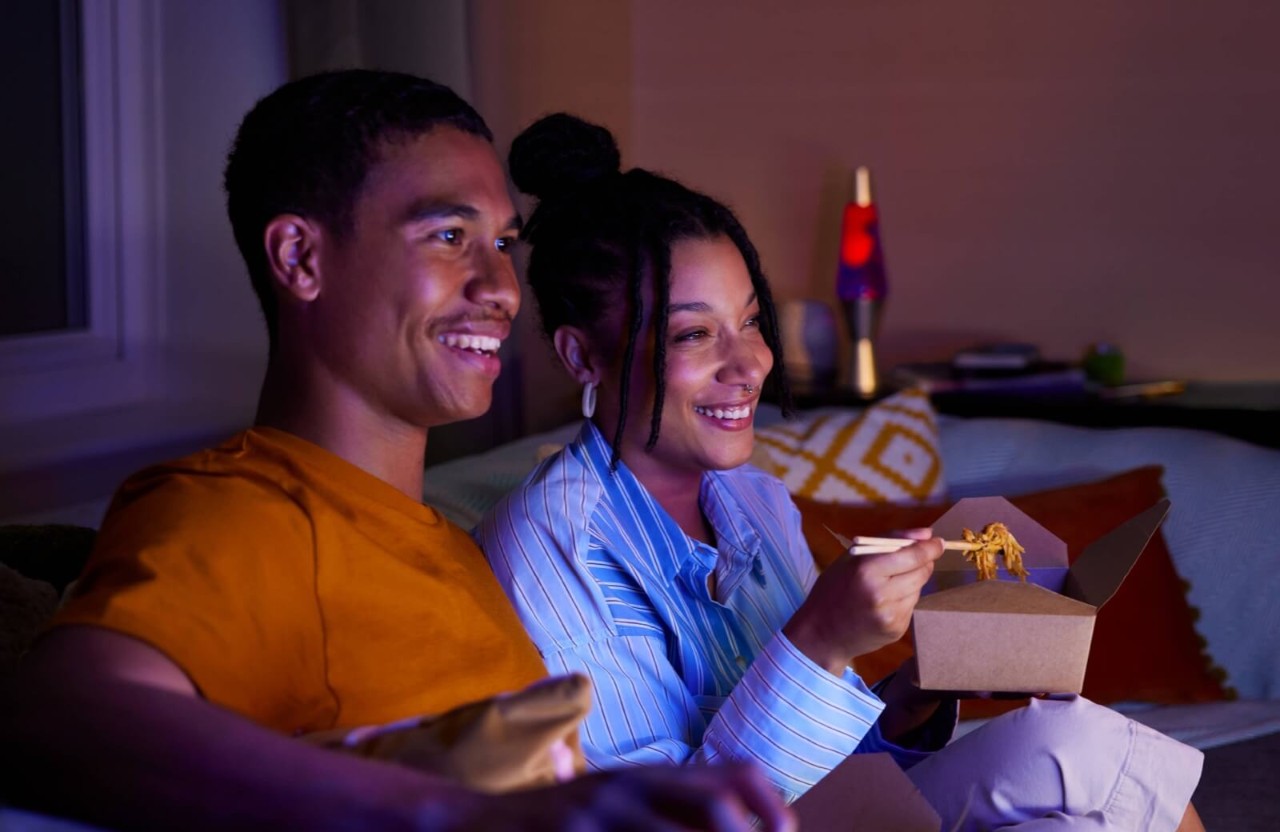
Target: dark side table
[(1244, 410)]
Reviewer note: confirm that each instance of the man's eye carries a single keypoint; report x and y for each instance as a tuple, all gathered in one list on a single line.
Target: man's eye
[(505, 244), (452, 236)]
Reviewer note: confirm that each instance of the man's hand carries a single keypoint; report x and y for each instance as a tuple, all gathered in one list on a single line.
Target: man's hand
[(719, 798), (105, 729), (860, 604)]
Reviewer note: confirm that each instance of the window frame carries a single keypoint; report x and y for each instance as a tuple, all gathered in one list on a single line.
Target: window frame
[(110, 362)]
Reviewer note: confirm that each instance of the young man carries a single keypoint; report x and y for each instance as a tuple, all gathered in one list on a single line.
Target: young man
[(290, 580)]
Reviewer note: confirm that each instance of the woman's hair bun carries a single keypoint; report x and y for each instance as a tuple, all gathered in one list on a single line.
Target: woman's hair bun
[(560, 153)]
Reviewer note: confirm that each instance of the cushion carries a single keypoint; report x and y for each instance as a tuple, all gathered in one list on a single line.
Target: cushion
[(1224, 494), (26, 605), (53, 553), (1145, 646), (518, 740), (887, 452)]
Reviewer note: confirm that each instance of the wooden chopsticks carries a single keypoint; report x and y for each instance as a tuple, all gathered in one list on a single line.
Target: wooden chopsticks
[(881, 545)]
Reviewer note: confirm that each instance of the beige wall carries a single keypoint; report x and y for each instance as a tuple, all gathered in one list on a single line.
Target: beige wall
[(1061, 173), (530, 59)]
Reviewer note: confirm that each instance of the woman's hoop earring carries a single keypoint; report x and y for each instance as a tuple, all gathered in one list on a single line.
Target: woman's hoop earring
[(588, 399)]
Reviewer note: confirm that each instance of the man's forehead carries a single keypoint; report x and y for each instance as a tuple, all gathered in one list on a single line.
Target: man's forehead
[(443, 146), (443, 169)]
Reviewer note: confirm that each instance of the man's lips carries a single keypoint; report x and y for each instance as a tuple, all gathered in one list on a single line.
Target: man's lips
[(479, 344)]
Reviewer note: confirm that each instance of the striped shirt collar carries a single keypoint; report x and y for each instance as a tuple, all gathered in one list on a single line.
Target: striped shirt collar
[(738, 543)]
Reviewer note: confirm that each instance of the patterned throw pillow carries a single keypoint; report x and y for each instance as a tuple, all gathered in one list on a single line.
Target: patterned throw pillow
[(886, 453)]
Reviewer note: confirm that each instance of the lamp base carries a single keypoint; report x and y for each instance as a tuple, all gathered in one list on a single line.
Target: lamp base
[(865, 382), (863, 318)]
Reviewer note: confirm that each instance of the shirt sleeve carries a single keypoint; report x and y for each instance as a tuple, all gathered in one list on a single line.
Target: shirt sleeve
[(215, 573), (793, 717), (827, 701), (790, 716), (931, 736)]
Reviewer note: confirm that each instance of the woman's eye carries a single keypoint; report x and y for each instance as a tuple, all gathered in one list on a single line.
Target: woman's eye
[(753, 322), (692, 335), (505, 244)]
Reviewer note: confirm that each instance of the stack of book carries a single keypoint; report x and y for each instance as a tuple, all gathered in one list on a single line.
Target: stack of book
[(996, 369)]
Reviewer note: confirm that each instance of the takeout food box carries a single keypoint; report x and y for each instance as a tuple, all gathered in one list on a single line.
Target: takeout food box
[(866, 791), (1009, 636)]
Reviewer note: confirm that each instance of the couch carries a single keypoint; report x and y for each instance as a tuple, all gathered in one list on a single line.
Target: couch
[(1222, 534)]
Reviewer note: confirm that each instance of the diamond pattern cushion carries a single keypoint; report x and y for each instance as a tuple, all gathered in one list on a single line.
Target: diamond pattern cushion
[(886, 453)]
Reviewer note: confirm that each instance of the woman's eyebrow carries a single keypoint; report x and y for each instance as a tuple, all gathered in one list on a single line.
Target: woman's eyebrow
[(702, 306), (692, 306)]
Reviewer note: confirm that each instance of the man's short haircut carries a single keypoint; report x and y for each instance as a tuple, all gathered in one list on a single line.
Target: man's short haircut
[(307, 148)]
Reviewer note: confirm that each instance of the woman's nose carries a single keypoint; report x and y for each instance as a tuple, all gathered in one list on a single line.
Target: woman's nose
[(748, 363)]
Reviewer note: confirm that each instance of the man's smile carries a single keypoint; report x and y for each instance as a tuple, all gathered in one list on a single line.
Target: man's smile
[(479, 344)]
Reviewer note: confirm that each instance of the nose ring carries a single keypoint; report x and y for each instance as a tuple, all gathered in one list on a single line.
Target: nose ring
[(749, 389)]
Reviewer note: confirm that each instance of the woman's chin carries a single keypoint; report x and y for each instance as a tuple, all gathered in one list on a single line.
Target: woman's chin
[(727, 459)]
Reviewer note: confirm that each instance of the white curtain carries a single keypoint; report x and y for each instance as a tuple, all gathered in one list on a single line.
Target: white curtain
[(423, 37), (427, 38)]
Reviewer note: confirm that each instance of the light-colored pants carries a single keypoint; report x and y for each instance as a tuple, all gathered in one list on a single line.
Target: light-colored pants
[(1061, 764)]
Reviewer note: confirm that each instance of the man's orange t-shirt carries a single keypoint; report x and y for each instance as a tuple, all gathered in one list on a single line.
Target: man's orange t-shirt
[(301, 591)]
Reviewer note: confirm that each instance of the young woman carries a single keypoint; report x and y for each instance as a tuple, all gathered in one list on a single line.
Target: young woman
[(647, 555)]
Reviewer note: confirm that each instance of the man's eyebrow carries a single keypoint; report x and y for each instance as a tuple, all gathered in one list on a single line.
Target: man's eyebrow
[(435, 210)]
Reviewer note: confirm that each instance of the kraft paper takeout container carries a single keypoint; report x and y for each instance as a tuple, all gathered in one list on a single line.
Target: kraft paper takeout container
[(1006, 635), (864, 792)]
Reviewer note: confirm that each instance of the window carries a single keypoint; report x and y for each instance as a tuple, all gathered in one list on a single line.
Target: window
[(75, 338), (41, 223)]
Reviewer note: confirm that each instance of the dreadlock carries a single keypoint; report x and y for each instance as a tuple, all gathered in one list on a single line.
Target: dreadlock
[(635, 276), (598, 232), (661, 259)]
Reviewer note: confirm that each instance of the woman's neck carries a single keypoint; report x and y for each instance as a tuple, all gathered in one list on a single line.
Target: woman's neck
[(678, 492), (692, 522)]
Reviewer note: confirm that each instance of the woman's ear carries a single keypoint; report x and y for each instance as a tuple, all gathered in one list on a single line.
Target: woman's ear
[(574, 348), (291, 248)]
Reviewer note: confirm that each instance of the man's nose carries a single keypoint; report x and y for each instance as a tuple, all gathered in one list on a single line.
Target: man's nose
[(494, 283)]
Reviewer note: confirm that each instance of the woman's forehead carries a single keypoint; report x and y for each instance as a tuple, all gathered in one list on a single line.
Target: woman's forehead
[(708, 272)]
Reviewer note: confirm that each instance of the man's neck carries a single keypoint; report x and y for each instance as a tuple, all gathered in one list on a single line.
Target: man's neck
[(391, 451)]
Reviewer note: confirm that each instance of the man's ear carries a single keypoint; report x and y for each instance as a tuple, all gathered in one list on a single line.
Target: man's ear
[(574, 348), (291, 254)]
